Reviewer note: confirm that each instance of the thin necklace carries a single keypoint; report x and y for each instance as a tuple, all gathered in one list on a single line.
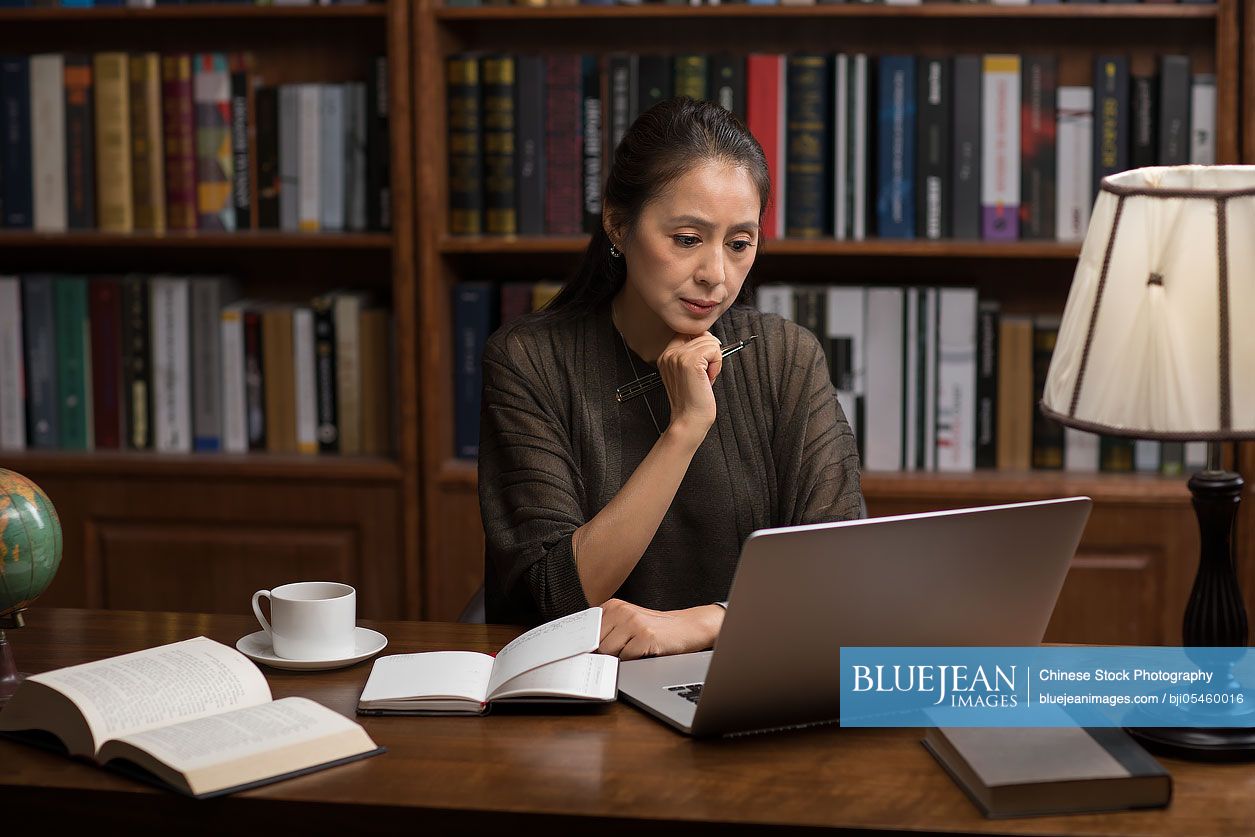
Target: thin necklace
[(635, 374)]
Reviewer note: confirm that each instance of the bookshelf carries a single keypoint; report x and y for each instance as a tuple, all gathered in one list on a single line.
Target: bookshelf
[(1133, 572), (195, 531)]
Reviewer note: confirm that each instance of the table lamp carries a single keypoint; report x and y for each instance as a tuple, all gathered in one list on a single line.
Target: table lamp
[(1156, 342)]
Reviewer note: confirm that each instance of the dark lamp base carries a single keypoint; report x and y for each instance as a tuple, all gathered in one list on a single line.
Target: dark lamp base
[(1231, 745)]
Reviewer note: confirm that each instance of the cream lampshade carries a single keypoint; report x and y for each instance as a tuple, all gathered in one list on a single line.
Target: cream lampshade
[(1157, 342)]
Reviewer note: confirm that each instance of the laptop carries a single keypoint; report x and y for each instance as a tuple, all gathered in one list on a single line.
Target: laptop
[(982, 576)]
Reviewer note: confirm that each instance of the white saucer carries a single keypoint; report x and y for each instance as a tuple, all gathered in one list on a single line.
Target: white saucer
[(256, 646)]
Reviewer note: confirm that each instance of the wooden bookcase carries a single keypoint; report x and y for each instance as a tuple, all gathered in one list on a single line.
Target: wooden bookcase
[(1133, 573), (202, 532)]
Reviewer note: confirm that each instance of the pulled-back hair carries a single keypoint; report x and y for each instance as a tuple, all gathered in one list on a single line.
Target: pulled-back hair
[(664, 143)]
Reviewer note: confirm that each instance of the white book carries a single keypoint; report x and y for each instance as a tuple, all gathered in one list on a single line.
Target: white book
[(141, 4), (929, 324), (169, 320), (1074, 162), (1081, 451), (12, 373), (309, 157), (289, 157), (1203, 120), (840, 145), (306, 391), (332, 161), (234, 419), (882, 413), (355, 149), (858, 222), (1000, 148), (47, 102), (845, 323), (1195, 456), (1146, 456), (911, 422), (552, 662), (776, 299), (956, 379)]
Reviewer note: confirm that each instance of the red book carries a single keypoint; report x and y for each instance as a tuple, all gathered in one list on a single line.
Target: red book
[(564, 163), (764, 116), (179, 128), (104, 305)]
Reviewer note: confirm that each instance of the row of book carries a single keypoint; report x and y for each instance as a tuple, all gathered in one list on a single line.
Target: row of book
[(148, 4), (146, 142), (180, 364), (969, 147), (936, 379), (784, 2)]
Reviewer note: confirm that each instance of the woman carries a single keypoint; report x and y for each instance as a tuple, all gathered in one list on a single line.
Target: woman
[(641, 507)]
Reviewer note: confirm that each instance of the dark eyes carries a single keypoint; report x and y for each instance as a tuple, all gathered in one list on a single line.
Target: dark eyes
[(740, 245)]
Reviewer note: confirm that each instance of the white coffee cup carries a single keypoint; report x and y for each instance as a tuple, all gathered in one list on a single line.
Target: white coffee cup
[(310, 620)]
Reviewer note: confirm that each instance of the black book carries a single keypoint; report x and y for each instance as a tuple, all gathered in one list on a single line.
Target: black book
[(497, 74), (241, 186), (932, 196), (987, 384), (268, 182), (80, 146), (328, 431), (808, 160), (378, 149), (254, 381), (654, 81), (1144, 145), (16, 189), (965, 197), (726, 85), (466, 175), (1174, 110), (40, 337), (1038, 162), (592, 139), (136, 364), (529, 146), (1048, 435), (623, 75), (1111, 116)]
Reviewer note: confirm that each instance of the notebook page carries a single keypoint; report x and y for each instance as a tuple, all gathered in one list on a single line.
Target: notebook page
[(588, 676), (577, 633), (446, 674)]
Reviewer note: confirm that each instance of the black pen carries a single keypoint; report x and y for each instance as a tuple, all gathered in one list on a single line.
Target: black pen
[(653, 380)]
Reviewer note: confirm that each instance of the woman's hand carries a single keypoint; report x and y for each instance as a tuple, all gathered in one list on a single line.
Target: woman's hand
[(688, 367), (630, 632)]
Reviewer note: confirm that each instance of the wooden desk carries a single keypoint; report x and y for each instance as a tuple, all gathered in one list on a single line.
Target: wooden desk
[(611, 770)]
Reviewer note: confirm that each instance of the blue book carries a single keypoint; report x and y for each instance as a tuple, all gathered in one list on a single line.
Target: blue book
[(895, 147), (77, 4), (16, 193), (474, 317)]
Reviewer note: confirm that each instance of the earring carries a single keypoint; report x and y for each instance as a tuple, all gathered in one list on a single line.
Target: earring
[(615, 253)]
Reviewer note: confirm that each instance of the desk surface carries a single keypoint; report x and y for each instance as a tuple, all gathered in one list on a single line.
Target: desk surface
[(603, 770)]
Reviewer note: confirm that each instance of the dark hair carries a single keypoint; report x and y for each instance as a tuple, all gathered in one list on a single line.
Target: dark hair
[(662, 145)]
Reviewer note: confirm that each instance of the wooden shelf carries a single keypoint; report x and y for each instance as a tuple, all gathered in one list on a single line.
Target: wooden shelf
[(246, 240), (194, 466), (193, 13), (962, 11), (516, 245)]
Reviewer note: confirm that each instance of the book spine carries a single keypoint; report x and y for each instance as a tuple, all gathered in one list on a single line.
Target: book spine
[(309, 157), (1203, 120), (885, 375), (106, 359), (347, 314), (73, 362), (727, 82), (1048, 436), (689, 77), (325, 376), (269, 183), (967, 156), (1075, 158), (170, 318), (1146, 456), (895, 202), (114, 210), (306, 392), (211, 93), (563, 214), (500, 217), (1144, 105), (254, 381), (40, 334), (987, 384), (80, 146), (765, 79), (846, 339), (241, 164), (1037, 148), (180, 141), (957, 374), (1174, 110), (331, 154), (206, 368), (1111, 117), (777, 299), (841, 147), (378, 149), (16, 193), (280, 388), (862, 149), (289, 144), (935, 106), (912, 388), (592, 139), (47, 98), (1115, 455), (472, 323), (530, 176), (12, 375), (1015, 393), (1081, 451), (930, 345), (376, 412), (516, 300), (234, 419), (355, 148), (811, 306), (148, 188), (622, 75), (136, 363), (807, 162), (1000, 146), (655, 82)]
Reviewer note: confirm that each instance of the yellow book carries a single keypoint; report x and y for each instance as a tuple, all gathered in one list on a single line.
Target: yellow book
[(115, 210), (147, 160)]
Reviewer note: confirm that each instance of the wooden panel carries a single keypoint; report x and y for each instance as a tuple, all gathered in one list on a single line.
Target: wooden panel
[(1109, 599), (455, 566), (211, 569)]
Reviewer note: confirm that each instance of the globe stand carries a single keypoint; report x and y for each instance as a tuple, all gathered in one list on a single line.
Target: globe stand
[(10, 677)]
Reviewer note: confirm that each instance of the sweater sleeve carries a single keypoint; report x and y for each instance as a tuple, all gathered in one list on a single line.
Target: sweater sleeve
[(817, 460), (529, 490)]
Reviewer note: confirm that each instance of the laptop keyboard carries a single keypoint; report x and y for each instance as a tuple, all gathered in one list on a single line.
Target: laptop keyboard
[(691, 692)]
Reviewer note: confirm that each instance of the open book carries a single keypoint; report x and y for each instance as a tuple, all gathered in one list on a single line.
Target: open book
[(194, 716), (548, 663)]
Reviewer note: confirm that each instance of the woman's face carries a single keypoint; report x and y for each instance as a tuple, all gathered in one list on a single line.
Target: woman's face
[(693, 246)]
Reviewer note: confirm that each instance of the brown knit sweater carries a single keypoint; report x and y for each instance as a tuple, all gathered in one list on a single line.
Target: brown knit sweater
[(555, 448)]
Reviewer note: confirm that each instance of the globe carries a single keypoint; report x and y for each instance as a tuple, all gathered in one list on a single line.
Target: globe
[(30, 545)]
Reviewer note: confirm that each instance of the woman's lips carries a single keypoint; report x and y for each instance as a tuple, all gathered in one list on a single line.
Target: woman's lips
[(698, 307)]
